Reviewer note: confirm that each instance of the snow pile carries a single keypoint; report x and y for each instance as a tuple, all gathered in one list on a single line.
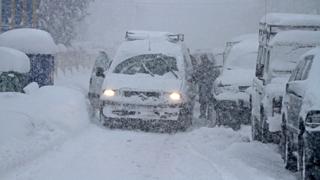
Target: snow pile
[(29, 41), (291, 19), (13, 60), (32, 123)]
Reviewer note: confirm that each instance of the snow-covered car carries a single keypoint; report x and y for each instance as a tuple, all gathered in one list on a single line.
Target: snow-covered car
[(231, 89), (301, 117), (269, 26), (149, 83), (101, 65), (14, 66), (283, 53)]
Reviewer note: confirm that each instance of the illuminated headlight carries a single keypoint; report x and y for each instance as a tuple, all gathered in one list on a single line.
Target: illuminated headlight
[(109, 93), (175, 96)]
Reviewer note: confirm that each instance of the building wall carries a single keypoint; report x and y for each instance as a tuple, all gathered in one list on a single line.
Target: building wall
[(18, 13)]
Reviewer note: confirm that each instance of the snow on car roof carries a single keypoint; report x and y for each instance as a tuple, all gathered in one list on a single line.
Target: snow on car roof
[(244, 37), (284, 19), (296, 37), (244, 53), (29, 41), (13, 60)]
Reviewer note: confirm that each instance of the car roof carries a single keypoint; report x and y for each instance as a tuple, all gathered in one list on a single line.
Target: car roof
[(13, 60), (290, 19), (296, 38)]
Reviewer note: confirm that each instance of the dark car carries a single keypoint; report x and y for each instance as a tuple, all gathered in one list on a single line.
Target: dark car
[(301, 118)]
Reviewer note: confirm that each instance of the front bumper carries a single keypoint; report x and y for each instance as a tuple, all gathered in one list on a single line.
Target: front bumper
[(141, 112)]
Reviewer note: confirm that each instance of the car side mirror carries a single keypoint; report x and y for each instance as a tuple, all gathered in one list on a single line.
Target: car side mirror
[(100, 72)]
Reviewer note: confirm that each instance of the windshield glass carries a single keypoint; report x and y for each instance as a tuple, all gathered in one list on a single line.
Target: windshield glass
[(283, 59), (152, 64)]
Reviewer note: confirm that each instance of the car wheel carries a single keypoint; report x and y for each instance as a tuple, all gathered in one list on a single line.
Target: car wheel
[(185, 118), (305, 162), (283, 139), (255, 133), (290, 160)]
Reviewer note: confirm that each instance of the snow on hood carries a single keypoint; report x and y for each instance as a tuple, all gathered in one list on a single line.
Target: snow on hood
[(13, 60), (141, 82), (297, 38), (29, 41), (291, 19), (236, 76)]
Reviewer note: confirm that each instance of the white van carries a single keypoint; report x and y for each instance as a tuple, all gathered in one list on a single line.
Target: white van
[(149, 83)]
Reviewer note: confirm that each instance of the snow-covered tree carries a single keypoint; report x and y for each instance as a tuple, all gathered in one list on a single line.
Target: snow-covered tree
[(60, 17)]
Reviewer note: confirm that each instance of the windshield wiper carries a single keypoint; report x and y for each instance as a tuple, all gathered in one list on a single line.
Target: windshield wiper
[(170, 68), (148, 70)]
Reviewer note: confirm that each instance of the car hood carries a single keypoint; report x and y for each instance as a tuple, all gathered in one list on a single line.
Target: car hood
[(142, 82), (237, 77)]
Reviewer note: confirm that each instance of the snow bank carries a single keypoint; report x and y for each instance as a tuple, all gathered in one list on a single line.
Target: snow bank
[(31, 123), (13, 60), (291, 19), (29, 41)]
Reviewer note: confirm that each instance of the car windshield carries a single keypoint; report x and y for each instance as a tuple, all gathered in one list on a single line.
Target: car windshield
[(283, 59), (152, 64)]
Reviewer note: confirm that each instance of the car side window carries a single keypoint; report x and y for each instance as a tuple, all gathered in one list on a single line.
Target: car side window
[(299, 74), (295, 71), (307, 67)]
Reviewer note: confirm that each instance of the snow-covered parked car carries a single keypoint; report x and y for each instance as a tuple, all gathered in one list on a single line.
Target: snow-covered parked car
[(149, 83), (39, 46), (14, 66), (269, 26), (301, 117), (231, 89), (282, 55)]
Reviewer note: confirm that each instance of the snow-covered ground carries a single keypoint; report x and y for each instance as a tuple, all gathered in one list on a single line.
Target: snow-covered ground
[(49, 137)]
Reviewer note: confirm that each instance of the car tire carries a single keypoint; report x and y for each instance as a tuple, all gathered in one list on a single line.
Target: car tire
[(185, 117), (290, 160), (283, 138), (305, 163), (255, 131)]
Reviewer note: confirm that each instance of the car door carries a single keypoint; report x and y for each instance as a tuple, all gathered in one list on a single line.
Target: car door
[(296, 89), (101, 65)]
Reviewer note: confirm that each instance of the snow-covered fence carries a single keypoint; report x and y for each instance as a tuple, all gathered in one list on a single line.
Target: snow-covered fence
[(70, 59)]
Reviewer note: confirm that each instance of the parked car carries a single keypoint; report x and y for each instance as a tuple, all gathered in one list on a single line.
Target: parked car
[(14, 68), (282, 54), (149, 84), (301, 117), (269, 27), (231, 89), (101, 65)]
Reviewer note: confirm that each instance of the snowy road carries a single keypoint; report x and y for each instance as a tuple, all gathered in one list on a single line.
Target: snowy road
[(97, 153), (205, 153)]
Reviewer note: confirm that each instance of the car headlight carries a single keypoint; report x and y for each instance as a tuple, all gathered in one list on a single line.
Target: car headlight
[(175, 96), (109, 93)]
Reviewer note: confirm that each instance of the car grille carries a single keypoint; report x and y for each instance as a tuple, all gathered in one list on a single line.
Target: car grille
[(141, 94)]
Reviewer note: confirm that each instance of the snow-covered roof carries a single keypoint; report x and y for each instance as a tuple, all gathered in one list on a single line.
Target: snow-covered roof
[(244, 54), (243, 37), (13, 60), (142, 35), (287, 19), (29, 41), (296, 37)]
